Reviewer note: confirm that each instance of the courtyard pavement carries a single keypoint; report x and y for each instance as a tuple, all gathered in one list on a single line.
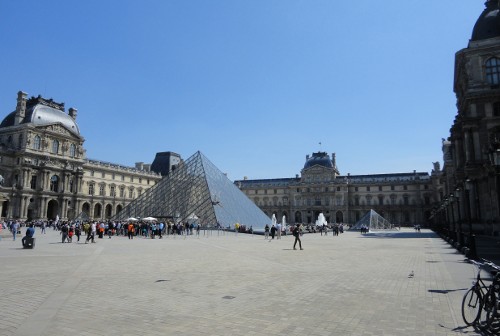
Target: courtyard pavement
[(234, 285)]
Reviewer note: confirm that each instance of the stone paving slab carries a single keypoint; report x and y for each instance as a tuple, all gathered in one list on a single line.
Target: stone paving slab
[(234, 285)]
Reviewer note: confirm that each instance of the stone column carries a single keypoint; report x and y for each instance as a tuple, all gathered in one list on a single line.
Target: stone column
[(24, 207), (64, 209), (43, 208)]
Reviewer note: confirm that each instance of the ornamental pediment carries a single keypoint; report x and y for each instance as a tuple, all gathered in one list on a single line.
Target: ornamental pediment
[(57, 128)]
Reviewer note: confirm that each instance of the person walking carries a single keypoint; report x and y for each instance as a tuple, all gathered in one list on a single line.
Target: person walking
[(296, 234), (14, 227), (78, 232), (91, 233), (273, 231), (266, 232), (131, 231), (64, 233)]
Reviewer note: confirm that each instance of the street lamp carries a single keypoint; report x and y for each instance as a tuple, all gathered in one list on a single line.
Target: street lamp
[(457, 196), (451, 199), (495, 161), (471, 240)]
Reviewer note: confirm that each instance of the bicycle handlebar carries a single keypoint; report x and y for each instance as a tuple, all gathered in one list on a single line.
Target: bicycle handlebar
[(491, 264), (484, 263)]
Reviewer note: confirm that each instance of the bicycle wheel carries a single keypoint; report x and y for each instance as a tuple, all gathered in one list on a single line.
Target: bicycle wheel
[(472, 304), (493, 317), (488, 305)]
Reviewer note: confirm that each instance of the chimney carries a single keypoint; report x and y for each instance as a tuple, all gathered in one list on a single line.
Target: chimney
[(307, 157), (73, 112), (21, 107), (139, 165), (147, 167)]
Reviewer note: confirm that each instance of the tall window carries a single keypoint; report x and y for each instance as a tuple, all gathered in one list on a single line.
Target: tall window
[(122, 192), (112, 191), (37, 142), (496, 109), (55, 147), (101, 190), (33, 182), (72, 150), (71, 185), (91, 189), (54, 183), (130, 193), (493, 71), (20, 141)]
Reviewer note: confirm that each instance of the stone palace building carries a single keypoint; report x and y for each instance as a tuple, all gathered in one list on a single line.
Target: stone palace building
[(45, 173), (401, 198)]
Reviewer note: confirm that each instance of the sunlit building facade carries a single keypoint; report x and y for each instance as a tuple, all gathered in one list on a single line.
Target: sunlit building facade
[(470, 201), (45, 173), (401, 198)]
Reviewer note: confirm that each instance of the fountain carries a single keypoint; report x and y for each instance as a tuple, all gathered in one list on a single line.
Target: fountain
[(321, 220)]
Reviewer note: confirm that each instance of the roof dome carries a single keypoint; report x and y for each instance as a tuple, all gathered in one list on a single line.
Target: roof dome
[(488, 24), (319, 158), (41, 114)]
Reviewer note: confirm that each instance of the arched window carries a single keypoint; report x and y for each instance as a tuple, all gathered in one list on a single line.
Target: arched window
[(55, 147), (72, 150), (493, 71), (54, 183), (37, 141)]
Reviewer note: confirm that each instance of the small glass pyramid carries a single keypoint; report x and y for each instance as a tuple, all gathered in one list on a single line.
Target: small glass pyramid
[(197, 191), (373, 221)]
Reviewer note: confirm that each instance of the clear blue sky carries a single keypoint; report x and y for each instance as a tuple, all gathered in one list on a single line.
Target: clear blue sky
[(254, 85)]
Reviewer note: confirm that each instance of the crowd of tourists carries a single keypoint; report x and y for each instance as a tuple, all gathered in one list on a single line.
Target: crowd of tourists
[(89, 231)]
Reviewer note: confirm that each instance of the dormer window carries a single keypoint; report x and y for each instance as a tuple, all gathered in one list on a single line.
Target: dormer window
[(493, 71)]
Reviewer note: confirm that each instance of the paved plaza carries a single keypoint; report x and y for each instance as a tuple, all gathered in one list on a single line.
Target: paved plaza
[(234, 285)]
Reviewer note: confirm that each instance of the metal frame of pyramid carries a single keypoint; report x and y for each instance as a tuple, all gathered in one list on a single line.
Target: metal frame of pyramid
[(197, 189), (373, 221)]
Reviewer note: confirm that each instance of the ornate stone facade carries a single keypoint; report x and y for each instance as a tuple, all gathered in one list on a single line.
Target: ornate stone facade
[(470, 201), (401, 198), (46, 173)]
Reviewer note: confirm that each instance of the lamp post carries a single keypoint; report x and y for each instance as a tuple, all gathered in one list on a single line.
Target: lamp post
[(471, 240), (451, 199), (495, 160), (461, 237)]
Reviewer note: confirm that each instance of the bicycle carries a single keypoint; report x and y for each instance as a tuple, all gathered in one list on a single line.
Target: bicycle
[(480, 305), (492, 303)]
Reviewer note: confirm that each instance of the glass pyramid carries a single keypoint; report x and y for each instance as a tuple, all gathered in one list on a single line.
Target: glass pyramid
[(373, 221), (197, 191)]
